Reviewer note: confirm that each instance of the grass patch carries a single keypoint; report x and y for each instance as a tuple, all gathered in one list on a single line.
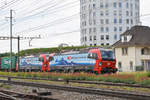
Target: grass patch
[(5, 86), (128, 78)]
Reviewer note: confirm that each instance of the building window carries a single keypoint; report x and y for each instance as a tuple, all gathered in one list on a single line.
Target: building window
[(101, 5), (115, 21), (90, 44), (115, 29), (90, 30), (102, 29), (84, 23), (102, 21), (120, 5), (145, 65), (120, 21), (107, 29), (107, 43), (102, 44), (127, 5), (115, 36), (127, 13), (94, 6), (124, 51), (102, 37), (115, 4), (90, 38), (94, 44), (94, 29), (94, 37), (131, 21), (131, 13), (107, 21), (120, 13), (131, 65), (145, 51), (107, 13), (131, 6), (89, 6), (85, 38), (115, 13), (120, 66), (106, 5), (107, 37), (127, 21), (125, 38), (94, 21), (94, 14), (120, 29), (101, 13)]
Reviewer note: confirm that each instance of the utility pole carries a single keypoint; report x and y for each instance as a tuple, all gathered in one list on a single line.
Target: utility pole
[(11, 39), (18, 52)]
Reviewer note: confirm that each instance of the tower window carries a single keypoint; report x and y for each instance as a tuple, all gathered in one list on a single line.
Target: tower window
[(102, 37), (115, 4)]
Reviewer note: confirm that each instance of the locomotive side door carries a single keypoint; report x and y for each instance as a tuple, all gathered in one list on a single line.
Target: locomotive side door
[(95, 57)]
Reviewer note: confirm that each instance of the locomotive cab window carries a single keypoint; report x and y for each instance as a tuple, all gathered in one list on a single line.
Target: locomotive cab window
[(107, 55), (93, 56)]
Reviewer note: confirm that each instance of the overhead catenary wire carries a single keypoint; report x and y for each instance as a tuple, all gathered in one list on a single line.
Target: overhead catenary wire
[(56, 22), (50, 3), (52, 11), (8, 4), (63, 33), (44, 26), (45, 9), (11, 3), (33, 4)]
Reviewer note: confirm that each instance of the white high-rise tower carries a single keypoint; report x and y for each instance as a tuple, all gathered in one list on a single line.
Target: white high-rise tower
[(103, 21)]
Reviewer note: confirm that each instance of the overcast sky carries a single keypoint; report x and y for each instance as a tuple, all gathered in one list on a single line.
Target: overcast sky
[(52, 19)]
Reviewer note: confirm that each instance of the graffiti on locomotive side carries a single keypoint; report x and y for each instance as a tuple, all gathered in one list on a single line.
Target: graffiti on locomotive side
[(73, 60), (30, 61), (7, 62)]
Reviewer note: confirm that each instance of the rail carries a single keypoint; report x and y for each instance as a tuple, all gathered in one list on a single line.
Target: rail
[(120, 94), (6, 95), (83, 82)]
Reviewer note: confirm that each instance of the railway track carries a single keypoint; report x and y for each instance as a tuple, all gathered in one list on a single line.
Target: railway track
[(11, 95), (84, 82), (120, 94)]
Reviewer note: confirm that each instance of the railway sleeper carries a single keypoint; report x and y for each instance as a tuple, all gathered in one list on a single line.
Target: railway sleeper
[(13, 95)]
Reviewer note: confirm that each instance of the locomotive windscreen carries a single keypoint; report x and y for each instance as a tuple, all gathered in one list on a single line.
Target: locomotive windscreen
[(107, 55)]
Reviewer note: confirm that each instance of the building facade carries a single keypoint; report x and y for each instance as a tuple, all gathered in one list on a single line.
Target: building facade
[(132, 51), (103, 21)]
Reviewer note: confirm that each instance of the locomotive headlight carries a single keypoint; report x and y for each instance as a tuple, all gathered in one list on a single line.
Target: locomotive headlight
[(100, 63)]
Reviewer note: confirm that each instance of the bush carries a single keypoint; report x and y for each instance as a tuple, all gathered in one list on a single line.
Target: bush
[(145, 82), (139, 68), (148, 74)]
